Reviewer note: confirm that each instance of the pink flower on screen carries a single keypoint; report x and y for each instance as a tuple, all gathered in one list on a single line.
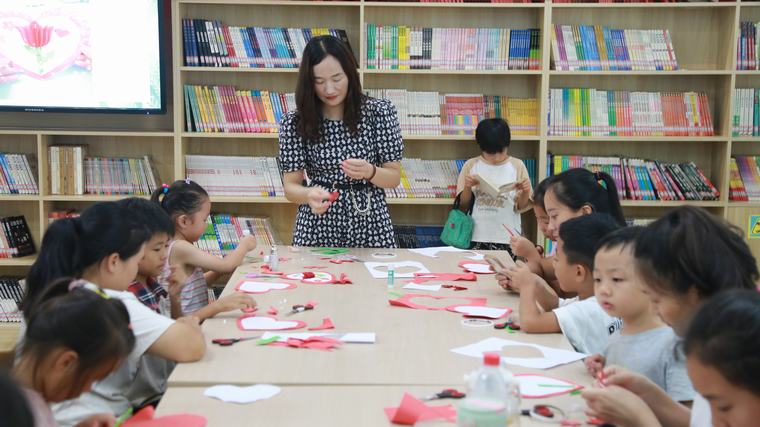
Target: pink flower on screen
[(35, 35)]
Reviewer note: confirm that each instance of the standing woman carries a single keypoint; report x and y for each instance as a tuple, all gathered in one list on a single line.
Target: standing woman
[(344, 143)]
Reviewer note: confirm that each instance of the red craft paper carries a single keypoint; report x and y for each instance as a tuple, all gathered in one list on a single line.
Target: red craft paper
[(314, 266), (343, 280), (326, 324), (267, 270), (411, 410), (340, 261), (144, 418), (455, 287), (308, 274), (443, 277), (406, 301), (273, 311), (313, 343)]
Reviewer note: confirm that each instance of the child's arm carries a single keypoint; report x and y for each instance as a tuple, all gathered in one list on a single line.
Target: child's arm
[(184, 253), (182, 342), (234, 301), (521, 276), (522, 202), (211, 277), (532, 320), (177, 279)]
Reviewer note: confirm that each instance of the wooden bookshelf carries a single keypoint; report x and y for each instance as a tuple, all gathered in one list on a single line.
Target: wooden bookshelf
[(707, 59)]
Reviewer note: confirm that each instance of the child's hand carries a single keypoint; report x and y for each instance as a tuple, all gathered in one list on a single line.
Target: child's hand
[(319, 200), (470, 181), (235, 301), (523, 247), (594, 364), (177, 279), (523, 186), (98, 420), (248, 242), (504, 281), (618, 406), (521, 276)]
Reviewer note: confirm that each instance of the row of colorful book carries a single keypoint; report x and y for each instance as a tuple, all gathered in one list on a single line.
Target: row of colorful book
[(223, 233), (745, 120), (747, 47), (596, 47), (400, 47), (236, 175), (433, 113), (744, 179), (463, 1), (17, 175), (418, 236), (15, 238), (208, 43), (226, 109), (67, 213), (595, 112), (640, 179), (12, 290)]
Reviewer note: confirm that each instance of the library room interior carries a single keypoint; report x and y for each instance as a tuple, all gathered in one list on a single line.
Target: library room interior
[(481, 213)]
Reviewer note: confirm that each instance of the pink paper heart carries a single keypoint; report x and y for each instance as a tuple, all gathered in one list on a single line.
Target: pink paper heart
[(265, 323)]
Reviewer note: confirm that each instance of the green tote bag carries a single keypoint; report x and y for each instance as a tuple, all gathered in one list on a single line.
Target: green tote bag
[(457, 231)]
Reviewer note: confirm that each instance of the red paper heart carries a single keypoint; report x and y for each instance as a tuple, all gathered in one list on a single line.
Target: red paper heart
[(443, 277), (406, 301), (145, 418)]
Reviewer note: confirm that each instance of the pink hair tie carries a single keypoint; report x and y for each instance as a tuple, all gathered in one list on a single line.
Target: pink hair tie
[(165, 188)]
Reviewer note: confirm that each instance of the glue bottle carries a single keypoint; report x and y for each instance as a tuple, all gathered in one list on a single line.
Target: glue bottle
[(485, 404), (391, 277), (274, 259)]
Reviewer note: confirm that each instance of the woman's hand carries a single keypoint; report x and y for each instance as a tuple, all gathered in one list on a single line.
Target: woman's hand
[(357, 168), (319, 200)]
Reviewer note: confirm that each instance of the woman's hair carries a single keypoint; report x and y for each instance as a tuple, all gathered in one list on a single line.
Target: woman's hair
[(71, 245), (85, 321), (156, 220), (724, 334), (540, 191), (578, 187), (309, 106), (14, 408), (691, 248), (183, 197)]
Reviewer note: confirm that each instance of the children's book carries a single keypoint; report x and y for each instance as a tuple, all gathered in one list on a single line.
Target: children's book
[(494, 188)]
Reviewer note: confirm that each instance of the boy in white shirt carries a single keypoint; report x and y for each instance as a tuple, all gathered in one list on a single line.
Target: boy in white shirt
[(581, 319), (492, 212)]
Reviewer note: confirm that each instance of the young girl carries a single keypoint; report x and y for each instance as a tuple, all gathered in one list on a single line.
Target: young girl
[(103, 247), (188, 205), (75, 335), (684, 258)]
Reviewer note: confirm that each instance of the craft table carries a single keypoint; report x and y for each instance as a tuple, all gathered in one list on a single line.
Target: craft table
[(412, 352)]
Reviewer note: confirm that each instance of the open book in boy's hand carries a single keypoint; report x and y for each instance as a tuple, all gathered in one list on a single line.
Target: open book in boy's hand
[(494, 188)]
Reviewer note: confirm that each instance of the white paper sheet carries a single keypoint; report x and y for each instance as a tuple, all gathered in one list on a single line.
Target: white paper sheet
[(478, 268), (481, 311), (236, 394), (262, 287), (433, 288), (382, 274), (540, 386), (349, 337), (257, 323), (433, 252), (552, 356)]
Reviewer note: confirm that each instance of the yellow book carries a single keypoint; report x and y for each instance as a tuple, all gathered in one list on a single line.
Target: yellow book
[(602, 47), (407, 189), (268, 109), (212, 109), (403, 48), (202, 107)]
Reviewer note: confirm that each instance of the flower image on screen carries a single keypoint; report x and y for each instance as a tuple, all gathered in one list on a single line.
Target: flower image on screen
[(80, 54)]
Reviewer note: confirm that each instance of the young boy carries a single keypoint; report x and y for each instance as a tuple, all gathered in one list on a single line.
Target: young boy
[(581, 319), (645, 344), (491, 213)]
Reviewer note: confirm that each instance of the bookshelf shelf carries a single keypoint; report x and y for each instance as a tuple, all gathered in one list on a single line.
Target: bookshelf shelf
[(88, 197), (237, 70), (19, 197), (745, 138), (642, 73), (457, 72), (743, 204), (669, 204), (663, 139), (249, 199), (18, 262), (700, 5), (370, 4), (229, 135), (415, 137), (420, 201), (272, 3)]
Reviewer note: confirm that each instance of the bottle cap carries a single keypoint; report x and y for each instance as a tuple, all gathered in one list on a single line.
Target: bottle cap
[(491, 359)]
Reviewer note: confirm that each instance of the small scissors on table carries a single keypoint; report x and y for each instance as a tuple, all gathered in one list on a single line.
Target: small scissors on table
[(226, 342), (449, 393)]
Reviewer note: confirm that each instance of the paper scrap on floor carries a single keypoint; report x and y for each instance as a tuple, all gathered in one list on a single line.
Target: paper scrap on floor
[(551, 356)]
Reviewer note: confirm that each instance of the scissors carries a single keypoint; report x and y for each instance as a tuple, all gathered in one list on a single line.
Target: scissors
[(449, 393), (226, 342), (508, 324), (298, 308)]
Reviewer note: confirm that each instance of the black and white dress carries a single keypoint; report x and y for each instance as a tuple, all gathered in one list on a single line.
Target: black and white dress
[(359, 218)]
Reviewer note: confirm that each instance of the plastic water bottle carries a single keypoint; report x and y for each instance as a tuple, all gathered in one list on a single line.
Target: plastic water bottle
[(274, 259), (485, 404), (513, 398)]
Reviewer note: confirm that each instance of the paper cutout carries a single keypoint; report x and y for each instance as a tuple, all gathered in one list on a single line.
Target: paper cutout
[(326, 324), (343, 280), (406, 301), (235, 394), (477, 267), (411, 411), (534, 386), (433, 288), (350, 337), (455, 287), (433, 252), (330, 251), (313, 343), (145, 418), (481, 311), (272, 310), (312, 267), (265, 269), (551, 356), (443, 277), (318, 278), (265, 323), (379, 270), (340, 261), (252, 287)]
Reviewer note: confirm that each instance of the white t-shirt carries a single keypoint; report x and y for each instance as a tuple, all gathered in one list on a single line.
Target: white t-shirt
[(114, 394), (586, 325), (701, 415), (489, 212)]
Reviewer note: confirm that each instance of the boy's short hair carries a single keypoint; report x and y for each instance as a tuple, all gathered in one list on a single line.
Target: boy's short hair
[(493, 135), (581, 237), (621, 238), (155, 219)]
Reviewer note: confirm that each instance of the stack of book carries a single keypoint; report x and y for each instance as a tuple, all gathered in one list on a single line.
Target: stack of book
[(639, 179), (747, 48), (433, 113), (12, 291), (746, 112), (744, 179), (213, 44), (236, 175), (593, 112), (223, 233), (399, 47), (15, 238), (16, 175), (226, 109), (418, 236), (594, 47), (69, 213), (66, 175)]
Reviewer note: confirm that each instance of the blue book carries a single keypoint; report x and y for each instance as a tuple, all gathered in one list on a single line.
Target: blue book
[(255, 48), (591, 47), (624, 50), (266, 54), (610, 49)]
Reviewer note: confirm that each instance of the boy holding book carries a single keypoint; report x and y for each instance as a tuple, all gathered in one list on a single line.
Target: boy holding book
[(500, 185)]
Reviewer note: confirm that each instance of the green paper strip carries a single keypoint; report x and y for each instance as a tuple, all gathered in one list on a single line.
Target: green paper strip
[(268, 340), (575, 393), (330, 251), (557, 385), (395, 294)]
